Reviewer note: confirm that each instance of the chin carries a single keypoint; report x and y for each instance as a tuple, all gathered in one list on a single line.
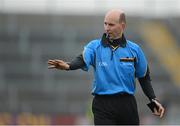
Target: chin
[(112, 38)]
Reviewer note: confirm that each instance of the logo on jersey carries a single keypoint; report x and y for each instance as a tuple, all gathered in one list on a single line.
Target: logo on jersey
[(102, 64)]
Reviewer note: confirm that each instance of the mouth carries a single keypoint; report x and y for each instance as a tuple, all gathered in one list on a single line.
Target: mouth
[(108, 34)]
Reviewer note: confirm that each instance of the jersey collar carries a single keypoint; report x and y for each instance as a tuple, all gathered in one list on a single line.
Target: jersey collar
[(117, 42)]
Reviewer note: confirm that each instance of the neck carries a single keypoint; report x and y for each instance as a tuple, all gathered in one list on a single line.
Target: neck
[(117, 37), (115, 42)]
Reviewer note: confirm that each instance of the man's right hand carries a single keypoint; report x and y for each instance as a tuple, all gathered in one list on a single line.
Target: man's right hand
[(58, 64)]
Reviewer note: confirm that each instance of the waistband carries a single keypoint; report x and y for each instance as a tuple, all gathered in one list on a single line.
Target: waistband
[(113, 95)]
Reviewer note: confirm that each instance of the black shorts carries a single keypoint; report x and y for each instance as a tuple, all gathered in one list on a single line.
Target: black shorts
[(115, 109)]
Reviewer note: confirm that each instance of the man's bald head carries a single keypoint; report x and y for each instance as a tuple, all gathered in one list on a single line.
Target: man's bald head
[(114, 23), (117, 15)]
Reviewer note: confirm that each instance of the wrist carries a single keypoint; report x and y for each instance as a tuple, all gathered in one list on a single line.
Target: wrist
[(68, 66)]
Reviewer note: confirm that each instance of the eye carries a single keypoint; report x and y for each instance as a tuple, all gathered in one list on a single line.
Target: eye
[(111, 24)]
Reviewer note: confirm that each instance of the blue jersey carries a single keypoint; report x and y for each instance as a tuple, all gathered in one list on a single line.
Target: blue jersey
[(114, 71)]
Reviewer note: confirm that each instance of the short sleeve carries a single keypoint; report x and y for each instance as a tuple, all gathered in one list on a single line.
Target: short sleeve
[(89, 55), (141, 64)]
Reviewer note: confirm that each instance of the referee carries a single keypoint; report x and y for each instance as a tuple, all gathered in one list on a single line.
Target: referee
[(117, 62)]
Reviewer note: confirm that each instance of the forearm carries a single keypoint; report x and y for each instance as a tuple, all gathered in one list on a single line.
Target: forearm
[(147, 88), (76, 63)]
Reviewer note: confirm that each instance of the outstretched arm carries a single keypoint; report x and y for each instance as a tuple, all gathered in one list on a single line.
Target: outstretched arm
[(76, 63), (145, 83)]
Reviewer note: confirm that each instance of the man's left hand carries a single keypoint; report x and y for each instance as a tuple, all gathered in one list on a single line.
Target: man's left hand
[(160, 111)]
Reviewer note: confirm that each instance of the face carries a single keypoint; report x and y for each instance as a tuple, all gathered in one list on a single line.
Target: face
[(112, 26)]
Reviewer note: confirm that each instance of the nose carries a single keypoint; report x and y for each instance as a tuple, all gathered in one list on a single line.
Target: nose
[(107, 28)]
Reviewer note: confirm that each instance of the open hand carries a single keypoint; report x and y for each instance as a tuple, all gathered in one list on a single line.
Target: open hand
[(58, 64)]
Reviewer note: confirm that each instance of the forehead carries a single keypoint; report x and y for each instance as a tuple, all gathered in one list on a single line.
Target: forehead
[(112, 17)]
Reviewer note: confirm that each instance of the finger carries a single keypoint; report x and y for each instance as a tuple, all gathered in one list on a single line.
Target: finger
[(51, 60), (162, 113), (59, 61), (156, 112), (51, 67), (51, 63)]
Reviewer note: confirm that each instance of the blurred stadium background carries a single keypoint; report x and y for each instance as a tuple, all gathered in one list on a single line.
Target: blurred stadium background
[(33, 31)]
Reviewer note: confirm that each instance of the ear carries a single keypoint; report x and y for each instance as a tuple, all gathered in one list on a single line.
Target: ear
[(123, 26)]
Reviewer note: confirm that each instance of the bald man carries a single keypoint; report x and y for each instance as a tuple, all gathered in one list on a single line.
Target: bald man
[(117, 62)]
